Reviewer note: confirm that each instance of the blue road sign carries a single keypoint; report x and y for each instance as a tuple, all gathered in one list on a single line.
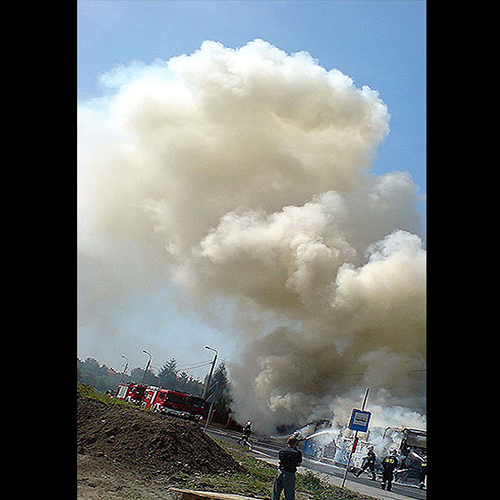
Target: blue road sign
[(359, 420)]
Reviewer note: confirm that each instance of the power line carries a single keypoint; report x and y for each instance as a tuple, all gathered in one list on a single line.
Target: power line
[(184, 367), (196, 365)]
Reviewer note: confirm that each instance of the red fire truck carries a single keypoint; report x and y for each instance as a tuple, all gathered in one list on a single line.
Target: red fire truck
[(174, 403), (133, 393)]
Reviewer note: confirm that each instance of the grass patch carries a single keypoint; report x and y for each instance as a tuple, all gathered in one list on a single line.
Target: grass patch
[(88, 391), (259, 480)]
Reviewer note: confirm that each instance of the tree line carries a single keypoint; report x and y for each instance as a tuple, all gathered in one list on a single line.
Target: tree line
[(104, 378)]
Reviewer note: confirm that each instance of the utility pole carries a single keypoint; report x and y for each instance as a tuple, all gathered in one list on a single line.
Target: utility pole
[(207, 385), (124, 373), (147, 366), (126, 365), (211, 406)]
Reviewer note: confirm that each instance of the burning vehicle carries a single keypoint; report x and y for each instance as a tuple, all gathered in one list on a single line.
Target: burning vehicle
[(413, 452), (318, 441), (332, 445)]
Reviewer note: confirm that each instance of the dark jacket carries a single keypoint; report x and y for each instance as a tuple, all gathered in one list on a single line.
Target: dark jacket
[(389, 463), (370, 457), (290, 458)]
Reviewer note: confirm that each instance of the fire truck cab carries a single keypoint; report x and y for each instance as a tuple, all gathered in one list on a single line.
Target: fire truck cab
[(133, 393), (174, 403)]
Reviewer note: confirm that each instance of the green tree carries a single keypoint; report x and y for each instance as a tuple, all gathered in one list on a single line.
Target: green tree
[(220, 392), (168, 374), (137, 375), (98, 376)]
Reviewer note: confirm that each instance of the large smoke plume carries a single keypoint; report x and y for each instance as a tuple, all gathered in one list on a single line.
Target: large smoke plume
[(245, 174)]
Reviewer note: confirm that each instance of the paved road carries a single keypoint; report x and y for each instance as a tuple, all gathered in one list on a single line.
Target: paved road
[(268, 450)]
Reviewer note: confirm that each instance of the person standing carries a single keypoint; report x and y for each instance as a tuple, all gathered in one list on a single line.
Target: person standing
[(422, 473), (389, 463), (289, 459)]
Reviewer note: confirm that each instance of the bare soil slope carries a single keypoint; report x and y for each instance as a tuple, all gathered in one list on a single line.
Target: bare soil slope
[(148, 441)]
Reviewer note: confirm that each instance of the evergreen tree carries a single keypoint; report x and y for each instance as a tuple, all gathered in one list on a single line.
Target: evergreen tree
[(220, 392), (168, 374)]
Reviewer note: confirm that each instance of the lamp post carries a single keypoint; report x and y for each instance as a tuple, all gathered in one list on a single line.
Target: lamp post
[(210, 410), (126, 364), (147, 366), (207, 385)]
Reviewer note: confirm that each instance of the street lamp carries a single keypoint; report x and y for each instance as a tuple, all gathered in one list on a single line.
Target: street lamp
[(147, 366), (126, 364), (207, 385)]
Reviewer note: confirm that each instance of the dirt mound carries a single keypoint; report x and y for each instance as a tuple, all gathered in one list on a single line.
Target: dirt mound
[(158, 443)]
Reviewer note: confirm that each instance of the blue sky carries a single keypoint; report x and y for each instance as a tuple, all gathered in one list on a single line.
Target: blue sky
[(381, 44)]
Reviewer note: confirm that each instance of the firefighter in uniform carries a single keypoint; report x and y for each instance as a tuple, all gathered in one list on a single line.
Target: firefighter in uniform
[(422, 473), (389, 463), (247, 430), (368, 463)]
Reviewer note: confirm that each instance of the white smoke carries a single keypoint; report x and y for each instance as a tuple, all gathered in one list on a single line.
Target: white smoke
[(244, 175)]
